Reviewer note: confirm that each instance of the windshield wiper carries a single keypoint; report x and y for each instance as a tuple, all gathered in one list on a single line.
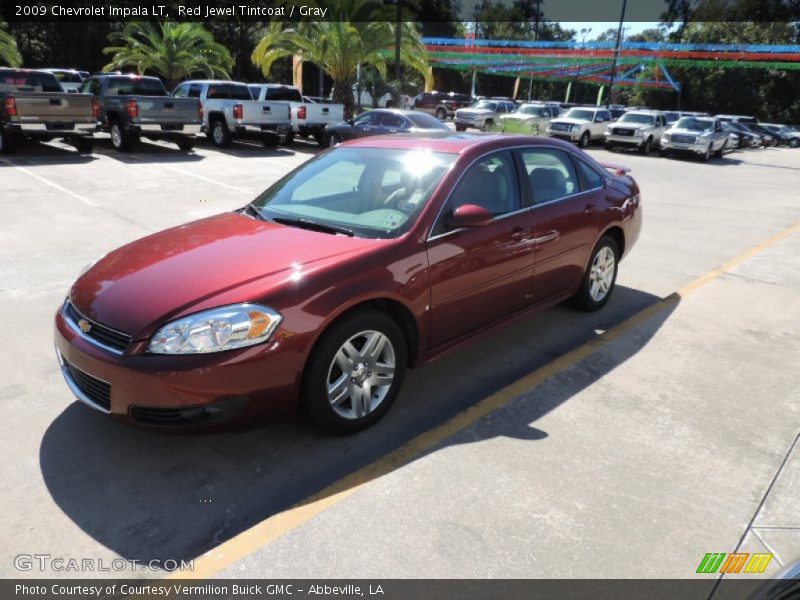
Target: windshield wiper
[(253, 210), (314, 225)]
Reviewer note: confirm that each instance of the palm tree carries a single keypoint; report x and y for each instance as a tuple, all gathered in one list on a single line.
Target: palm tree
[(9, 54), (173, 51), (339, 47)]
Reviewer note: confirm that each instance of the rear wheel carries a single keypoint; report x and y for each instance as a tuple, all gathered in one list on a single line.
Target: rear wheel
[(83, 145), (287, 140), (220, 135), (600, 277), (7, 143), (794, 143), (120, 138), (185, 143), (320, 138), (441, 114), (354, 373), (461, 127), (585, 139)]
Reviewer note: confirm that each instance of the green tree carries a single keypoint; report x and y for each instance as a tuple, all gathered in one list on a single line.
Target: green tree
[(340, 46), (173, 51), (9, 54)]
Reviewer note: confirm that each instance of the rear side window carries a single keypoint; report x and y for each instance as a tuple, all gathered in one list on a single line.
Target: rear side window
[(491, 183), (392, 120), (551, 174), (226, 91), (425, 121), (38, 81), (588, 177)]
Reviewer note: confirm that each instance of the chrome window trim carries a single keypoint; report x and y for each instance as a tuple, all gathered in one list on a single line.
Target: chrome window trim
[(432, 237), (74, 327)]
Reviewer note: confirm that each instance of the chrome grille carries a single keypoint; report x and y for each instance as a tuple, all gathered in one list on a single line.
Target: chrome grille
[(622, 131), (560, 126), (98, 333), (683, 139)]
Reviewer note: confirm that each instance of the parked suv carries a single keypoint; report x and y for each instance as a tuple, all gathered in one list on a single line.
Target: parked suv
[(483, 114), (701, 136), (636, 129), (532, 116), (440, 104), (582, 124)]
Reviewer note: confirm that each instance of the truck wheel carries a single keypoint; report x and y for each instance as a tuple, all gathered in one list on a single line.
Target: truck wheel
[(288, 139), (719, 153), (584, 141), (83, 145), (707, 155), (7, 143), (185, 143), (441, 114), (354, 373), (320, 139), (271, 141), (220, 135), (461, 127), (488, 125), (121, 139), (794, 143), (645, 147), (334, 139)]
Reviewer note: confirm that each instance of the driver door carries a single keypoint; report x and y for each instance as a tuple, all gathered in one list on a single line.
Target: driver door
[(365, 124), (479, 275)]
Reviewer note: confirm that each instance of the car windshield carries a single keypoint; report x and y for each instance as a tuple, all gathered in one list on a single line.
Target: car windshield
[(486, 104), (529, 109), (425, 121), (639, 119), (694, 124), (373, 192), (580, 113)]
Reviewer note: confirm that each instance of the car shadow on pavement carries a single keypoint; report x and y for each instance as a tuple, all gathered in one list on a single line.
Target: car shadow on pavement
[(248, 149), (146, 151), (33, 154), (150, 496)]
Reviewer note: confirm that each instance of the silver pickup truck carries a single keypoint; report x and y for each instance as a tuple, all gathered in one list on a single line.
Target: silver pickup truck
[(701, 136), (230, 112), (309, 119), (34, 106), (134, 107)]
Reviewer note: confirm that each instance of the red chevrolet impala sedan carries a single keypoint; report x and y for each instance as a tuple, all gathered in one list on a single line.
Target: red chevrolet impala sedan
[(375, 256)]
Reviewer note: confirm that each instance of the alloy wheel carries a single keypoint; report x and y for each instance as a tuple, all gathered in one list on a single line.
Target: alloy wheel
[(601, 274), (219, 135), (361, 374), (116, 136)]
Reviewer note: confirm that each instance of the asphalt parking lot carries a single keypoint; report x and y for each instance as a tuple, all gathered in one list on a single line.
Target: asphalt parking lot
[(628, 442)]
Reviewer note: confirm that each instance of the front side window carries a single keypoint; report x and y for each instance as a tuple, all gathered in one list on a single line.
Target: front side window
[(392, 120), (551, 174), (490, 183), (373, 192)]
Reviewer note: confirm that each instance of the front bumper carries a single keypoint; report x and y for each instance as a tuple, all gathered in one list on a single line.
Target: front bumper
[(570, 136), (625, 140), (176, 392), (696, 147)]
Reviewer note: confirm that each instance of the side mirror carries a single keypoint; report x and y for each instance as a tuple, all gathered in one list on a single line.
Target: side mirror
[(469, 215), (351, 121)]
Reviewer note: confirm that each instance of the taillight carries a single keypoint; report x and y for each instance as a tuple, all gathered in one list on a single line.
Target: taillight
[(132, 109), (238, 111), (200, 113), (301, 112), (10, 106), (95, 108)]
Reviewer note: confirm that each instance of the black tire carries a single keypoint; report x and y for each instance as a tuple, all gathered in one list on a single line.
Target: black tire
[(334, 139), (83, 145), (645, 147), (219, 134), (488, 124), (794, 143), (7, 143), (707, 156), (461, 127), (121, 139), (720, 152), (314, 393), (583, 299), (320, 139), (288, 139), (185, 143), (585, 139), (441, 114), (271, 141)]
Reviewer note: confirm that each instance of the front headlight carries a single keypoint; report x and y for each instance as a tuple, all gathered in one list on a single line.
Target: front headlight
[(215, 330), (575, 128), (665, 138)]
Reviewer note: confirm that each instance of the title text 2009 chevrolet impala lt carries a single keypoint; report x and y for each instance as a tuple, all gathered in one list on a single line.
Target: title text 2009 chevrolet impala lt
[(375, 256)]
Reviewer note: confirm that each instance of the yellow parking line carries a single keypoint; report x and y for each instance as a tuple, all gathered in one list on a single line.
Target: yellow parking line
[(273, 527)]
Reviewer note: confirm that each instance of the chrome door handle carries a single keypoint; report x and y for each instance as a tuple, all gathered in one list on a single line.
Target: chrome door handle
[(520, 233), (550, 236)]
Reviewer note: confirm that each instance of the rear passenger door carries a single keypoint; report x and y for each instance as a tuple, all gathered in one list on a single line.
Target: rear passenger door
[(564, 193)]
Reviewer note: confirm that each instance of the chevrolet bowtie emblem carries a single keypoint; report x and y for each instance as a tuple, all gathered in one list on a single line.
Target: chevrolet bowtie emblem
[(84, 325)]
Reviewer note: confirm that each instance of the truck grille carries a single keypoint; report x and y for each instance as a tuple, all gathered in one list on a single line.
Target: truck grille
[(560, 126), (683, 139), (96, 390), (622, 131), (102, 335)]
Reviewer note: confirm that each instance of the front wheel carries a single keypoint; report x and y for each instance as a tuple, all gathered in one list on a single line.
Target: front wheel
[(794, 143), (441, 114), (584, 141), (334, 139), (720, 152), (600, 276), (355, 373), (707, 154), (645, 147), (461, 127)]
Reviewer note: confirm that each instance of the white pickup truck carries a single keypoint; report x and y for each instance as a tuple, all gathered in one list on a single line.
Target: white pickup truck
[(308, 118), (229, 112), (582, 124), (640, 129)]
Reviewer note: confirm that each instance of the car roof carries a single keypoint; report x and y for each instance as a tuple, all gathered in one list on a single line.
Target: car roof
[(451, 142), (644, 111), (210, 81)]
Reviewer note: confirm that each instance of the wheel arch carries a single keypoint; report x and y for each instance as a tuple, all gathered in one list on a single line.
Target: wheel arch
[(616, 233)]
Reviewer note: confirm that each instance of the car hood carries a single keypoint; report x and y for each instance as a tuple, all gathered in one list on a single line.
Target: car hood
[(147, 282), (571, 121), (469, 112), (683, 131), (521, 117)]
